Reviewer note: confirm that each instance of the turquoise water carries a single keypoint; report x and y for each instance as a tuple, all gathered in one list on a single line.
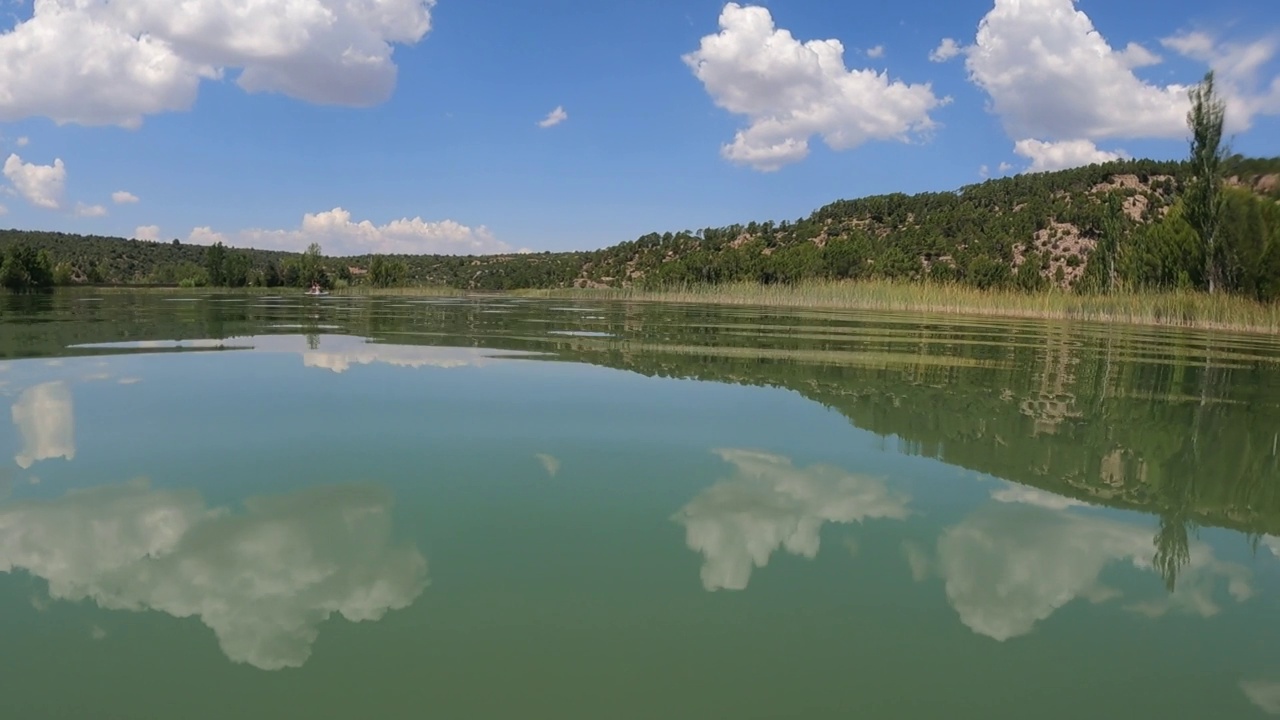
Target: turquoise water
[(230, 506)]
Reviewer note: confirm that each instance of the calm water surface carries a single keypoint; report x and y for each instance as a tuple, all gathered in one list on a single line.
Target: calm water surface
[(243, 507)]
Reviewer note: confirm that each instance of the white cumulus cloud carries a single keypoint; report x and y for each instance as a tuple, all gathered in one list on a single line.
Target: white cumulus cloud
[(96, 62), (876, 52), (553, 118), (946, 50), (123, 197), (769, 504), (147, 232), (1192, 44), (790, 91), (1063, 154), (1238, 67), (1136, 56), (1059, 86), (339, 235), (83, 210), (70, 63), (1051, 74), (40, 185)]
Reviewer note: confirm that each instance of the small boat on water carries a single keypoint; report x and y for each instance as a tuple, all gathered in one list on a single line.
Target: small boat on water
[(316, 290)]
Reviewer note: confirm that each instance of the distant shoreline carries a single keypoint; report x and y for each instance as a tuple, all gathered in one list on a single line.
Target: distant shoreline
[(1186, 309)]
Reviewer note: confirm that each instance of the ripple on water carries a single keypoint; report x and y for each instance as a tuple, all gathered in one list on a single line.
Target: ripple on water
[(581, 333)]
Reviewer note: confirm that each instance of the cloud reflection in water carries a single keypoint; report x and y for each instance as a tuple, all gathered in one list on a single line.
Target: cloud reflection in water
[(1010, 565), (262, 580), (767, 504), (339, 353), (45, 420), (1263, 692)]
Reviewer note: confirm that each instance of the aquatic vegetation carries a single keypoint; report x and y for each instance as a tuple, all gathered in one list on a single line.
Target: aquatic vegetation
[(1176, 308)]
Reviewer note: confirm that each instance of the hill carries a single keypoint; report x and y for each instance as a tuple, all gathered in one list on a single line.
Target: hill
[(1119, 223)]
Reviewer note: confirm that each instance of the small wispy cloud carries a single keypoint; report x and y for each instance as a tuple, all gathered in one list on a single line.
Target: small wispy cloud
[(946, 50), (122, 197), (553, 118), (876, 52)]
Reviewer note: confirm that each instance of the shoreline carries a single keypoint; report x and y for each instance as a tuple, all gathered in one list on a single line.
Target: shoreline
[(1181, 310), (1189, 310)]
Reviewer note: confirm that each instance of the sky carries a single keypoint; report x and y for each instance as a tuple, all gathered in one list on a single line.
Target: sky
[(478, 126)]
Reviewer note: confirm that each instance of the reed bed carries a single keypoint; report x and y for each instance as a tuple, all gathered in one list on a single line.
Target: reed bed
[(1184, 309), (1177, 309)]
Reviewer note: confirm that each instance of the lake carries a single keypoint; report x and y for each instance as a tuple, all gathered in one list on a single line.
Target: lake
[(222, 506)]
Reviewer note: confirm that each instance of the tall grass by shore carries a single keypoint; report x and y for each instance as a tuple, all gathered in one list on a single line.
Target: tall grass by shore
[(1174, 309), (1178, 309)]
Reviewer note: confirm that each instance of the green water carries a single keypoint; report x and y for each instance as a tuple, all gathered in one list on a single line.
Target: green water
[(242, 507)]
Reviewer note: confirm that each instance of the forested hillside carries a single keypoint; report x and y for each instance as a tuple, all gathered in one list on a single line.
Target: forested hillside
[(1117, 225)]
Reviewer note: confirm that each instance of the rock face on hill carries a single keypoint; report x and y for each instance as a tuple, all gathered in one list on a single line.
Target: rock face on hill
[(1268, 184)]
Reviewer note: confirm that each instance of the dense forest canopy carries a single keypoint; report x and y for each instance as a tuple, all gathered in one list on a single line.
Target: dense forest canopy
[(1122, 224)]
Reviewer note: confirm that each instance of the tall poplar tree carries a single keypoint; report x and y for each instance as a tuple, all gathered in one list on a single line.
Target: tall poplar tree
[(1204, 198)]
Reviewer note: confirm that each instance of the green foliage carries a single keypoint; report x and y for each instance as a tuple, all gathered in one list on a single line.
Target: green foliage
[(63, 274), (1249, 235), (1163, 255), (236, 268), (1204, 191), (271, 275), (311, 269), (986, 273), (846, 257), (1030, 274), (24, 269), (386, 273), (225, 268), (185, 274), (1106, 277), (215, 258)]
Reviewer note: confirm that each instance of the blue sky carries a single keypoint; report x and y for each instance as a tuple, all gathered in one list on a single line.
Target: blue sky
[(248, 121)]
